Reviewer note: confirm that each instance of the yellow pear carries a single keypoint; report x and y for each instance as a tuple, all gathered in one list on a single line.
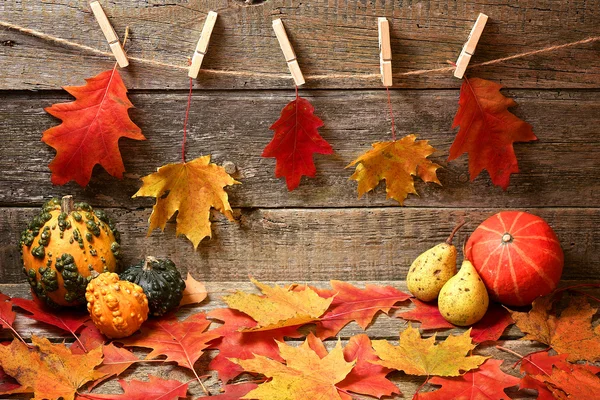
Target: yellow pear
[(464, 300), (432, 269)]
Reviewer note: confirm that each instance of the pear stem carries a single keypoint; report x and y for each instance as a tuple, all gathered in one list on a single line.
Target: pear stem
[(456, 228)]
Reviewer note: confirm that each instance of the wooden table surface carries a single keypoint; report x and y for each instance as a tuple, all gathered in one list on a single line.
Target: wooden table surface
[(321, 230)]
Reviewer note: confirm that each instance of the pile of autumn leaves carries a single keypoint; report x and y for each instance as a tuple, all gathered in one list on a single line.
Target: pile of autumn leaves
[(250, 336)]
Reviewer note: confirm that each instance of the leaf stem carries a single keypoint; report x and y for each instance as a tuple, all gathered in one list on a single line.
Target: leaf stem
[(185, 121), (523, 358), (421, 387)]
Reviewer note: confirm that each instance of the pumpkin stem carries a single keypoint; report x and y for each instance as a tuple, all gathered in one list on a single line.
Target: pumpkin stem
[(149, 259), (94, 274), (456, 228), (66, 205)]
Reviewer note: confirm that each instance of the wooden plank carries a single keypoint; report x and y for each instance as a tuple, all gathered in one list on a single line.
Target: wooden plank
[(329, 39), (314, 244), (233, 126)]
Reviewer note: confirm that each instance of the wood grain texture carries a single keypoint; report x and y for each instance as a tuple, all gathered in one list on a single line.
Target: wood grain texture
[(314, 244), (561, 169), (329, 38)]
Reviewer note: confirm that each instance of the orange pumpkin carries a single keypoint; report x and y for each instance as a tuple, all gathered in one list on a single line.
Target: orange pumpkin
[(62, 246), (118, 308), (517, 255)]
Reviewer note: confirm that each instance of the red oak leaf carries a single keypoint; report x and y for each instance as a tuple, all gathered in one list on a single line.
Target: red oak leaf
[(69, 321), (154, 389), (295, 141), (354, 304), (243, 345), (116, 360), (89, 337), (90, 129), (180, 341), (427, 314), (233, 392), (488, 130), (486, 382)]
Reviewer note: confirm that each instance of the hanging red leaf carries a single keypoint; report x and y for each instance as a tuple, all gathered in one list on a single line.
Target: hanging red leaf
[(69, 321), (154, 389), (354, 304), (486, 382), (180, 341), (295, 141), (90, 129), (427, 314), (243, 345), (488, 130)]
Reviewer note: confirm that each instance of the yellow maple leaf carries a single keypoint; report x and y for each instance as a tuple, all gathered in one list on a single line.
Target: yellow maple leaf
[(51, 370), (396, 162), (305, 375), (279, 307), (192, 188), (416, 356)]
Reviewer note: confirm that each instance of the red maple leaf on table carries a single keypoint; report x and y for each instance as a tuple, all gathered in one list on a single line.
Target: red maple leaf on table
[(243, 345), (354, 304), (90, 129), (155, 389), (488, 130), (486, 382), (295, 141)]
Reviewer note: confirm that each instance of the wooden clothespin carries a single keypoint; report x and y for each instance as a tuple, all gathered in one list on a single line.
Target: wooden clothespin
[(202, 46), (469, 48), (288, 52), (109, 33), (385, 51)]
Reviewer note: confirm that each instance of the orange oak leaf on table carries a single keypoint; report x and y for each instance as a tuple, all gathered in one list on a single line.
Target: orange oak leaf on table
[(569, 333), (243, 345), (194, 292), (488, 130), (396, 162), (486, 382), (70, 321), (192, 188), (351, 303), (182, 342), (295, 141), (154, 389), (489, 328), (50, 370), (366, 377), (279, 307), (416, 356), (305, 374), (90, 130)]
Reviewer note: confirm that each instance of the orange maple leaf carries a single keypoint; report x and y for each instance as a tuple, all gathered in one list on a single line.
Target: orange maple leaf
[(193, 188), (488, 130), (90, 129), (416, 356), (569, 333), (50, 370), (396, 162), (305, 375)]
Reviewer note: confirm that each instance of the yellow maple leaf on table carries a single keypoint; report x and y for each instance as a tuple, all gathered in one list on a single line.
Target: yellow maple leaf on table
[(397, 162), (416, 356), (279, 307), (50, 370), (304, 375), (192, 188)]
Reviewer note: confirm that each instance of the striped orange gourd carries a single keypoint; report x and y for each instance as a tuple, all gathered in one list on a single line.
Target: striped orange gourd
[(517, 255)]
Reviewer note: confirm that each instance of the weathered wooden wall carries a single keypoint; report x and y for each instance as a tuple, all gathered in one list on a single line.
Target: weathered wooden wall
[(322, 230)]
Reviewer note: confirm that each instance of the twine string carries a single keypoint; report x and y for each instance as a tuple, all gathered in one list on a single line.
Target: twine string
[(57, 40)]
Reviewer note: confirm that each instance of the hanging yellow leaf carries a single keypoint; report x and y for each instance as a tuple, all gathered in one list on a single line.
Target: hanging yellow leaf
[(396, 162), (304, 376), (50, 370), (192, 188), (416, 356), (279, 307)]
